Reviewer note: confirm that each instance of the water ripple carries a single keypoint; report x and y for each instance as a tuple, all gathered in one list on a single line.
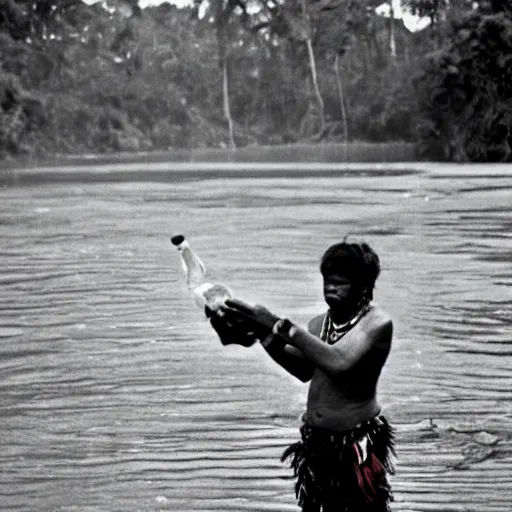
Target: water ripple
[(115, 395)]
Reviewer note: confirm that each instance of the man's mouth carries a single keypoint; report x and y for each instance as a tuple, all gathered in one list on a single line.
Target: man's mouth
[(334, 297)]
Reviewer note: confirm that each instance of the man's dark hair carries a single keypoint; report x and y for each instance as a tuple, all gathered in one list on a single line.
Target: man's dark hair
[(359, 263)]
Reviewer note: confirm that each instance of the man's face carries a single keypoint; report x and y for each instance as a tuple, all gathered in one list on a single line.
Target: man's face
[(338, 292)]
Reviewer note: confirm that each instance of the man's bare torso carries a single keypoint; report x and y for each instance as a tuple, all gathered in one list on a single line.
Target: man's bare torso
[(341, 403)]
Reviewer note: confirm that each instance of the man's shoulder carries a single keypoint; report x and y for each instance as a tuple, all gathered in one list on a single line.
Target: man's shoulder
[(379, 323), (315, 324), (379, 315)]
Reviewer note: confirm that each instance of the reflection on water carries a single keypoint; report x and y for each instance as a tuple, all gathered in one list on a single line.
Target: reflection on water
[(115, 395)]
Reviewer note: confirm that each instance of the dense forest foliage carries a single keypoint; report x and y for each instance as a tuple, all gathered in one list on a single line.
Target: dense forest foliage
[(113, 77)]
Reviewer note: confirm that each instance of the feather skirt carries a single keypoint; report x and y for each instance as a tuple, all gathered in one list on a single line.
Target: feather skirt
[(343, 471)]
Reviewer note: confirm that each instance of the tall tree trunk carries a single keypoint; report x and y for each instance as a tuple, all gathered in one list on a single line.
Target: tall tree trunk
[(227, 110), (221, 20), (312, 64), (342, 99), (392, 42), (365, 57)]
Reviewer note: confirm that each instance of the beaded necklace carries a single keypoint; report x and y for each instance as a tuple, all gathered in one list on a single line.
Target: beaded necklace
[(332, 333)]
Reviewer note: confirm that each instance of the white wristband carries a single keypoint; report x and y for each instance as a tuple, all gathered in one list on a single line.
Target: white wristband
[(268, 340), (277, 326)]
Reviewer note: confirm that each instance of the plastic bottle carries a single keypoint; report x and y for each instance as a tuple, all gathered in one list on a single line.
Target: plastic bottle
[(205, 294)]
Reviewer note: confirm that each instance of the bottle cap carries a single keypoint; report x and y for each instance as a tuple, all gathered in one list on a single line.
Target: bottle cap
[(177, 240)]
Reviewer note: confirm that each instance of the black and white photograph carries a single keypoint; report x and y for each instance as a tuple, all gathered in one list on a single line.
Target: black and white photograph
[(256, 255)]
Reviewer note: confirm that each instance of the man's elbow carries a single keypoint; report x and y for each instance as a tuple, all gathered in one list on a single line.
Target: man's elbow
[(337, 366), (305, 373), (305, 376)]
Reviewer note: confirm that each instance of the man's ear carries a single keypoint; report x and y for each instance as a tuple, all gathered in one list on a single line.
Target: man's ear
[(366, 293)]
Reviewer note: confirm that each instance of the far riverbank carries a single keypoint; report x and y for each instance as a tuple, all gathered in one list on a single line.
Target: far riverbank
[(332, 152)]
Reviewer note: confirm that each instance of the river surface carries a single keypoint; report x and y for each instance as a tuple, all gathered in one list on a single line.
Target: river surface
[(115, 394)]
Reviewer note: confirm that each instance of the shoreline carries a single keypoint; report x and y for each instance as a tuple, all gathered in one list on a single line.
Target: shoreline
[(308, 152), (175, 171)]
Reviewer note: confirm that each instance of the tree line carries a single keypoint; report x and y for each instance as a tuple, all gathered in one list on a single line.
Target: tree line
[(229, 73)]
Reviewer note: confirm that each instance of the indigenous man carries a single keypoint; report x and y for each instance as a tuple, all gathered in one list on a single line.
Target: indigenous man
[(343, 459)]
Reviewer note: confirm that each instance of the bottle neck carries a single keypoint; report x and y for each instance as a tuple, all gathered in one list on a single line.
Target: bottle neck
[(193, 267)]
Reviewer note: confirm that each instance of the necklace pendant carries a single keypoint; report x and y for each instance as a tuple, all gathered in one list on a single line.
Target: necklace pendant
[(336, 332), (335, 336)]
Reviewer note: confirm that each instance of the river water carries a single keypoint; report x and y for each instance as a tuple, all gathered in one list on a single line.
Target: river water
[(116, 396)]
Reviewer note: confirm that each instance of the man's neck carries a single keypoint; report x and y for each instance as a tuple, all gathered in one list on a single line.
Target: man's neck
[(342, 317)]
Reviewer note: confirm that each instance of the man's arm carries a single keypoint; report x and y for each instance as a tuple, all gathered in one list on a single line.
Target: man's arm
[(287, 356), (233, 328), (343, 355), (374, 330), (290, 358)]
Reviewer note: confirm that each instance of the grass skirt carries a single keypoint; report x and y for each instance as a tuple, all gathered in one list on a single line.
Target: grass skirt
[(343, 471)]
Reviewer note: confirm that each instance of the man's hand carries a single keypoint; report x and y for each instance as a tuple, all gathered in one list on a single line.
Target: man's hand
[(258, 318), (231, 330)]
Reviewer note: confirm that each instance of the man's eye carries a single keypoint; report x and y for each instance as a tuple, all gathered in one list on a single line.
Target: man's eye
[(338, 283)]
